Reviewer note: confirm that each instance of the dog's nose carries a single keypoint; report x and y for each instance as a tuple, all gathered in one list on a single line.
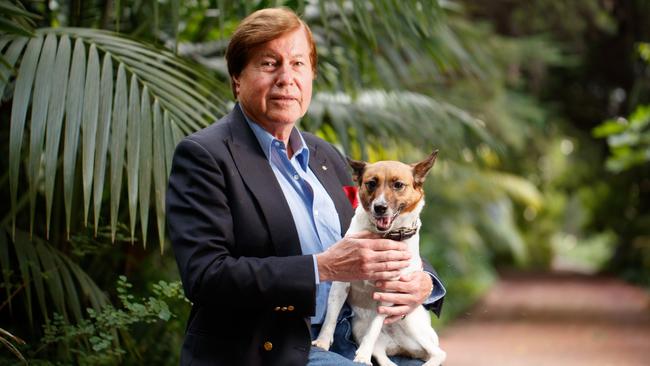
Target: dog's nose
[(380, 208)]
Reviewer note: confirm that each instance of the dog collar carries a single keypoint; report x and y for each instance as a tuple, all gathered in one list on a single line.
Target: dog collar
[(402, 233)]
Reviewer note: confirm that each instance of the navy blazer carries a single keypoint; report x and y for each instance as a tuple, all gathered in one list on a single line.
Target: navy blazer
[(237, 248)]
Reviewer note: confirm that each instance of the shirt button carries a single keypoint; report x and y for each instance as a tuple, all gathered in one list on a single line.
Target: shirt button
[(316, 213), (296, 177)]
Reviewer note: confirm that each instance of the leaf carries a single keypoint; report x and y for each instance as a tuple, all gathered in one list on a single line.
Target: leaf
[(4, 267), (42, 94), (133, 152), (53, 277), (21, 99), (103, 132), (91, 104), (71, 295), (74, 109), (54, 124), (146, 164), (8, 8), (9, 26), (159, 170), (10, 56), (118, 141)]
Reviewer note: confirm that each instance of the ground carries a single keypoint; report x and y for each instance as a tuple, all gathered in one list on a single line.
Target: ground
[(553, 319)]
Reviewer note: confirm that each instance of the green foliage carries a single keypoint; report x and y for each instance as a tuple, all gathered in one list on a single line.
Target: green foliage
[(135, 122), (628, 139), (95, 340), (32, 264)]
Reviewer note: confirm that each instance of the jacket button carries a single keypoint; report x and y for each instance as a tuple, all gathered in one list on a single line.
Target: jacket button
[(290, 308), (268, 346)]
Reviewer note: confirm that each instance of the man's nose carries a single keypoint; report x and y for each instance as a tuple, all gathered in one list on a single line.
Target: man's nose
[(285, 75)]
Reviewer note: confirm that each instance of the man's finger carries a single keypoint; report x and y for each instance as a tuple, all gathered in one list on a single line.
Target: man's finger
[(385, 244), (394, 298), (374, 276), (394, 310)]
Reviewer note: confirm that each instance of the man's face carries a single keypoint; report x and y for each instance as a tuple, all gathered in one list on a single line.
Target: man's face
[(274, 88)]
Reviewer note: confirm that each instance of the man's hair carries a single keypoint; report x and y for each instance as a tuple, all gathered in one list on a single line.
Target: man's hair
[(258, 28)]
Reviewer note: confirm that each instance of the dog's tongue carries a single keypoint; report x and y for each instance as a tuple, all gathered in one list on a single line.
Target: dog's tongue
[(383, 223)]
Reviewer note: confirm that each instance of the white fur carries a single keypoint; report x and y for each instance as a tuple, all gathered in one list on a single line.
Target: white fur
[(411, 336)]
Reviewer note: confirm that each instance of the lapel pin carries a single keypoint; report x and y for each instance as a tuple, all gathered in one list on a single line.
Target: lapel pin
[(324, 167)]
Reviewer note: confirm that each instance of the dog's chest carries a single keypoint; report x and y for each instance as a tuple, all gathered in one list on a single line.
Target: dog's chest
[(360, 295)]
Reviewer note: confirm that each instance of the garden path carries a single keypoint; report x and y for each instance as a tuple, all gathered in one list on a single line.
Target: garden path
[(556, 319)]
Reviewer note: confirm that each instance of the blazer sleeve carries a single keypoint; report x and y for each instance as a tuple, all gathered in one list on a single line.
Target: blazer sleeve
[(435, 306), (200, 227)]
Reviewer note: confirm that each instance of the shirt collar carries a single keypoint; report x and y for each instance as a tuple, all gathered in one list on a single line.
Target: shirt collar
[(266, 141)]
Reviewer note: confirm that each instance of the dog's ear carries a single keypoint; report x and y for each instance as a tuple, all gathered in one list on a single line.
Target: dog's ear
[(357, 169), (421, 169)]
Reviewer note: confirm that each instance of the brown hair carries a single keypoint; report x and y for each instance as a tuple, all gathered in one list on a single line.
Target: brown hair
[(258, 28)]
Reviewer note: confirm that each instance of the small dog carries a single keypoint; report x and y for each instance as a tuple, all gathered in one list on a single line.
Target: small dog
[(391, 198)]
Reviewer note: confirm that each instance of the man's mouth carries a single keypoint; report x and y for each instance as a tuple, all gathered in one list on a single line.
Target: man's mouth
[(283, 98)]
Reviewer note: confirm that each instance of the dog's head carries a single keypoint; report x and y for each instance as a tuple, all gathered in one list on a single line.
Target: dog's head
[(389, 189)]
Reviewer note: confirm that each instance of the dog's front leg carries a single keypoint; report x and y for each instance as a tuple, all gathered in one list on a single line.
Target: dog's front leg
[(364, 352), (338, 293)]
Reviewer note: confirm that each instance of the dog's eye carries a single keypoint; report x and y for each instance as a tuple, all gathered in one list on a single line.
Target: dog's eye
[(398, 185), (371, 185)]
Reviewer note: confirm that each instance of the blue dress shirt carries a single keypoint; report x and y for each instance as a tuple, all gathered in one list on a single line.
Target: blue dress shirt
[(312, 209)]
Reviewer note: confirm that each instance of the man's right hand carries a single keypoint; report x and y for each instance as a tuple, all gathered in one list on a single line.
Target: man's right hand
[(362, 256)]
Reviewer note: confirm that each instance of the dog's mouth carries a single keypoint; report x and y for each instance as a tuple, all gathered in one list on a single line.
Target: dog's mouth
[(384, 223)]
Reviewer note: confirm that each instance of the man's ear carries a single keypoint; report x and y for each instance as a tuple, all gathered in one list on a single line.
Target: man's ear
[(357, 169), (421, 169), (234, 85)]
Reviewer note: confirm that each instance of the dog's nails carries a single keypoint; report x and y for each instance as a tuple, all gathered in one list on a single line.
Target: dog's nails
[(379, 284)]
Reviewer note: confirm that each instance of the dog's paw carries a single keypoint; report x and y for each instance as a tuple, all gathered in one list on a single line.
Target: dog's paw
[(364, 359), (321, 343)]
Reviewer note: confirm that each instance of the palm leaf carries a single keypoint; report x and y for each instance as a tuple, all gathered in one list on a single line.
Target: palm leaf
[(7, 338), (395, 116), (111, 114), (53, 275), (74, 112)]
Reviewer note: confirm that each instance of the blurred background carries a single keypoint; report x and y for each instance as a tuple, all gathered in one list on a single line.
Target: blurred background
[(540, 110)]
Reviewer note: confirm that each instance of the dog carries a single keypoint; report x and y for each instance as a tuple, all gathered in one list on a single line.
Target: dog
[(391, 198)]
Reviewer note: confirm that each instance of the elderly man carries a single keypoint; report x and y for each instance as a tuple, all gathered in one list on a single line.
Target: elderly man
[(256, 212)]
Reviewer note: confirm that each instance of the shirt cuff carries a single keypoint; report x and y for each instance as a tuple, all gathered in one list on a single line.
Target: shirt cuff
[(316, 274), (438, 291)]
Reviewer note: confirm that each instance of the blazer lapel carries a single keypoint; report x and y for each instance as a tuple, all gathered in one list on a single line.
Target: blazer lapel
[(258, 176)]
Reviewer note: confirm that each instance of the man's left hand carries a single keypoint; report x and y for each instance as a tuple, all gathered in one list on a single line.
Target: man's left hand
[(406, 294)]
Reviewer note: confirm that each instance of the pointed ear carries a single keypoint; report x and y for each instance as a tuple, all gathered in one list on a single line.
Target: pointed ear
[(421, 169), (357, 169)]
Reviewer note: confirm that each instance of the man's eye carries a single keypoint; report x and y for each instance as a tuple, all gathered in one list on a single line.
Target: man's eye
[(371, 185), (398, 185)]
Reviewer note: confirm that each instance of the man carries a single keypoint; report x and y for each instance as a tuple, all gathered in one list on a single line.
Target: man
[(256, 211)]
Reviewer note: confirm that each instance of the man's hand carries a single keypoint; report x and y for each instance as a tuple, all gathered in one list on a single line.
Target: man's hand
[(362, 256), (406, 294)]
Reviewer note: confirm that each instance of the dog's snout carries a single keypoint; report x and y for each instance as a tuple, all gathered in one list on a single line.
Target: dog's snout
[(380, 208)]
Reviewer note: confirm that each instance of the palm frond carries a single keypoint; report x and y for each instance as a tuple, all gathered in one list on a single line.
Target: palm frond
[(55, 277), (101, 113), (395, 116), (15, 19), (8, 340)]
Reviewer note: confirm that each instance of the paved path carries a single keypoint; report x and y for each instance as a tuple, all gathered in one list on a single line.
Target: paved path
[(553, 319)]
